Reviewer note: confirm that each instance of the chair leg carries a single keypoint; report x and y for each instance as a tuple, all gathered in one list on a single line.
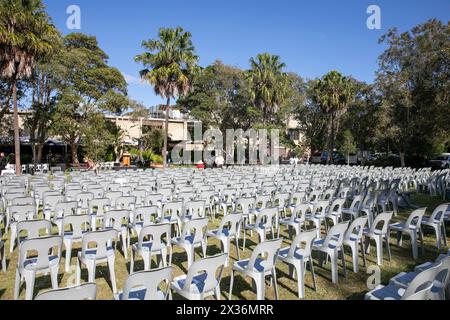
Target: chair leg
[(54, 277), (260, 286), (343, 262), (388, 246), (230, 296), (274, 277), (78, 275), (413, 237), (29, 282), (17, 285), (132, 257), (218, 292), (237, 248), (311, 265), (68, 245), (112, 274), (363, 253), (301, 280)]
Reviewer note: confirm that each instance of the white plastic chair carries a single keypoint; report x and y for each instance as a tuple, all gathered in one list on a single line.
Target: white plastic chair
[(413, 228), (332, 246), (202, 280), (102, 253), (261, 264), (47, 261), (146, 285), (297, 256)]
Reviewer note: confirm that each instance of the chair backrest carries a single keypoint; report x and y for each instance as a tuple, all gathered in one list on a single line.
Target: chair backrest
[(245, 205), (415, 218), (337, 205), (211, 267), (100, 205), (21, 213), (356, 203), (86, 291), (145, 215), (125, 202), (262, 201), (266, 217), (303, 243), (195, 208), (281, 199), (173, 209), (264, 256), (79, 224), (320, 208), (356, 229), (153, 199), (422, 280), (439, 213), (230, 223), (51, 201), (149, 281), (199, 227), (33, 229), (335, 236), (116, 219), (45, 248), (420, 295), (102, 239), (383, 220), (297, 197), (113, 196), (67, 208), (158, 235), (83, 199), (300, 211), (23, 201)]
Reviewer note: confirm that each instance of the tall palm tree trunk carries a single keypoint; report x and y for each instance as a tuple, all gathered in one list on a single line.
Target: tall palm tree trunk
[(166, 134), (16, 131)]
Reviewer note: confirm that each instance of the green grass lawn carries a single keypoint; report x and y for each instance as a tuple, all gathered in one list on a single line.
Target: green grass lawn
[(354, 287)]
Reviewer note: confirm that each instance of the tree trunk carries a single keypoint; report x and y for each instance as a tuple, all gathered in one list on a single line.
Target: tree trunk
[(39, 151), (402, 159), (166, 134), (330, 138), (16, 131), (74, 152)]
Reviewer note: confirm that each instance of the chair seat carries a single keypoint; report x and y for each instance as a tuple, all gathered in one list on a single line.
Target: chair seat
[(402, 227), (188, 239), (139, 294), (402, 280), (430, 222), (283, 254), (290, 221), (30, 264), (90, 254), (214, 233), (254, 226), (388, 292), (319, 245), (243, 265), (197, 285), (148, 246)]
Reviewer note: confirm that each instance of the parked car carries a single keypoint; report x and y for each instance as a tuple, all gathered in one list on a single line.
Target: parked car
[(316, 158), (441, 161)]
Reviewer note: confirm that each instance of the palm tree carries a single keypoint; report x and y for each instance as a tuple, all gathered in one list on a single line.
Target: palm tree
[(268, 83), (170, 63), (25, 33), (333, 93)]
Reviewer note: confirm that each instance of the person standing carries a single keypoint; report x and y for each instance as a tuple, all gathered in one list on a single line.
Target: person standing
[(3, 162)]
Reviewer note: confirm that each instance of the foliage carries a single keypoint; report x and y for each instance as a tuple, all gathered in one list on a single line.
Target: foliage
[(89, 88), (25, 36), (414, 80), (349, 145), (268, 84), (332, 94), (220, 98)]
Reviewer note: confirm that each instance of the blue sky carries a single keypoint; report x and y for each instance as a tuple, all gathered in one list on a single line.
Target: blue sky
[(311, 36)]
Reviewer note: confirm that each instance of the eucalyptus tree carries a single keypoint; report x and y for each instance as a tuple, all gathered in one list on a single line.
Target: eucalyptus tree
[(414, 79), (25, 36), (169, 64), (89, 88)]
